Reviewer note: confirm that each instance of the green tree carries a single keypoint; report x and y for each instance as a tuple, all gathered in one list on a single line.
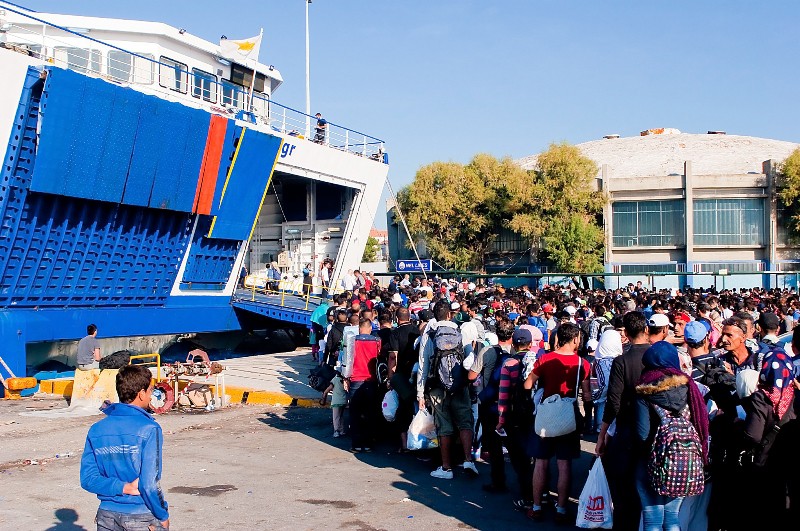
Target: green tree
[(370, 250), (562, 212), (457, 208), (789, 192)]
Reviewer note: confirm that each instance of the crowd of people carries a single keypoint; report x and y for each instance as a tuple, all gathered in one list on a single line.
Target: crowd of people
[(689, 393)]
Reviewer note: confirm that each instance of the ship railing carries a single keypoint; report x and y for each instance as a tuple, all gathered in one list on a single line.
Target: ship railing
[(127, 68), (286, 292)]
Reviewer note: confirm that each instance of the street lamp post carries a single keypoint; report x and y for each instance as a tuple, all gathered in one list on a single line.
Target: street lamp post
[(308, 79)]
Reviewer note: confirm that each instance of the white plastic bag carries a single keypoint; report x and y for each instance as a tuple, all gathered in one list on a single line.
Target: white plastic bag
[(422, 432), (389, 405), (595, 505)]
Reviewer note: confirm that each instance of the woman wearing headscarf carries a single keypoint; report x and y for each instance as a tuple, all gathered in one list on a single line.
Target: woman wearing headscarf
[(767, 441), (664, 390), (608, 348)]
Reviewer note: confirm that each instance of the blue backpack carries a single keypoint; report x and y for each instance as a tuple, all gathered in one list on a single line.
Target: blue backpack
[(539, 323)]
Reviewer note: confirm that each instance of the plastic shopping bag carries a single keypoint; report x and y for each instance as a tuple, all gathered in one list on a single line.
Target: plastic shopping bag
[(389, 405), (422, 432), (594, 505)]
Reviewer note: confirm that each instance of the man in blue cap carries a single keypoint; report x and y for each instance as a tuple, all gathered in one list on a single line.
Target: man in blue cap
[(695, 334)]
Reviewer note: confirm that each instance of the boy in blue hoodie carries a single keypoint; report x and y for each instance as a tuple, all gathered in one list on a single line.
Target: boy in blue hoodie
[(121, 460)]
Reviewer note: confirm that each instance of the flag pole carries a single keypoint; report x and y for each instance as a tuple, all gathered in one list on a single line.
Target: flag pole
[(308, 79), (253, 81)]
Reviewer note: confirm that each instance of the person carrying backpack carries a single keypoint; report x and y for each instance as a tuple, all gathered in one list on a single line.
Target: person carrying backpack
[(442, 380), (672, 427), (770, 442), (488, 365)]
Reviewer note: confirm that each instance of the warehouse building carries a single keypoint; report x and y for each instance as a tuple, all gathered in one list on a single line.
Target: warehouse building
[(701, 207)]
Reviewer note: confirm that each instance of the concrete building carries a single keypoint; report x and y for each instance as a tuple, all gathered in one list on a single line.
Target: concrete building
[(699, 204)]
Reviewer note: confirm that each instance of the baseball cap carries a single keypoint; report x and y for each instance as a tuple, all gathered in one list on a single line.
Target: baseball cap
[(425, 315), (695, 332), (658, 320), (521, 337), (768, 321), (455, 306), (682, 316), (547, 308), (570, 310), (397, 298)]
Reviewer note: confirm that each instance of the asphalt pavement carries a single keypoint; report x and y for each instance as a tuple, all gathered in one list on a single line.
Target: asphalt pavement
[(250, 468)]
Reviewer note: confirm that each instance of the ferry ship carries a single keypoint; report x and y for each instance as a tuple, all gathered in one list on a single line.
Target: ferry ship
[(145, 168)]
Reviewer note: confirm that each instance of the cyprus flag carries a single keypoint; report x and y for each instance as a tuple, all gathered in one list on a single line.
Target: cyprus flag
[(241, 49)]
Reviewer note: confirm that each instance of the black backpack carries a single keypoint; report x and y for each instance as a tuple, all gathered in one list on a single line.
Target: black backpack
[(447, 369), (320, 376), (116, 360)]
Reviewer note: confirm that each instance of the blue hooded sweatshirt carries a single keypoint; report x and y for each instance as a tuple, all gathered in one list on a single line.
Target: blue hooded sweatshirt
[(120, 448)]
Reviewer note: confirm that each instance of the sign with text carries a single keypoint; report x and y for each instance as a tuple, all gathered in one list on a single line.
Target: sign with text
[(405, 266)]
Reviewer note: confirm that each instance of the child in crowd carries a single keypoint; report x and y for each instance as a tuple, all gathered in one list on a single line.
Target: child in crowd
[(338, 403)]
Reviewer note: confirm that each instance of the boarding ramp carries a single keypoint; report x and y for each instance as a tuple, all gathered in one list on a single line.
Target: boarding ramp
[(289, 305)]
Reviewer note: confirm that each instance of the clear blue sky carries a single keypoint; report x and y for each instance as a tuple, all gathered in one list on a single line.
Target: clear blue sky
[(446, 79)]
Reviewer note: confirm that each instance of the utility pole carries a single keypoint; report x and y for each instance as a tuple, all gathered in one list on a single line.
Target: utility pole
[(308, 79)]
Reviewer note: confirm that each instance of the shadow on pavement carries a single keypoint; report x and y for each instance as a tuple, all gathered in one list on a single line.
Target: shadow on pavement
[(461, 498), (66, 519)]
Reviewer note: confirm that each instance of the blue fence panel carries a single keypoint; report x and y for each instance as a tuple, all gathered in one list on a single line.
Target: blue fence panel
[(145, 156), (210, 261), (87, 132), (232, 135), (182, 135), (244, 189)]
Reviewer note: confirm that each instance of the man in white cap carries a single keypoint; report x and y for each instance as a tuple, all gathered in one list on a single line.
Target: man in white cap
[(657, 327)]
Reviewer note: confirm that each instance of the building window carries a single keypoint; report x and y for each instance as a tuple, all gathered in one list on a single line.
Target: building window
[(128, 68), (204, 85), (729, 222), (79, 59), (731, 267), (642, 269), (173, 75), (230, 94), (648, 223)]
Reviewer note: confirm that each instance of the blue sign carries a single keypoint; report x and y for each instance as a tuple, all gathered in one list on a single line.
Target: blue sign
[(414, 265)]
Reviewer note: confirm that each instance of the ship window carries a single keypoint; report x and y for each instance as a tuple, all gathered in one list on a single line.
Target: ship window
[(230, 94), (204, 85), (79, 59), (128, 68), (173, 75)]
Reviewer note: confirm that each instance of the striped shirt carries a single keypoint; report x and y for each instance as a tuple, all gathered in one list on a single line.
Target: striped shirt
[(509, 379)]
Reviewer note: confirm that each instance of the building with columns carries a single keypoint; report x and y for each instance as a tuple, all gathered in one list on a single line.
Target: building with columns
[(699, 204)]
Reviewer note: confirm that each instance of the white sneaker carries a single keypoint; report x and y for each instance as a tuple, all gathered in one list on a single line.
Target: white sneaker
[(470, 467), (441, 473)]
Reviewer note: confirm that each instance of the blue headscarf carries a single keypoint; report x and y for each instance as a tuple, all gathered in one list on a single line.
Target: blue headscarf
[(661, 355)]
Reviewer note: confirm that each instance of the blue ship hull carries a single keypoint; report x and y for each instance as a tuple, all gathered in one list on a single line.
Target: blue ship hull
[(124, 210)]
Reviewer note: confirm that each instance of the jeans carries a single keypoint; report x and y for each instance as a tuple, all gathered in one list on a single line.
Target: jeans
[(516, 442), (619, 462), (659, 513), (113, 521), (363, 406)]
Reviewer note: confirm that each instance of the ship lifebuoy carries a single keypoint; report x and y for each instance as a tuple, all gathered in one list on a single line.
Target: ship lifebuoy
[(163, 397)]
